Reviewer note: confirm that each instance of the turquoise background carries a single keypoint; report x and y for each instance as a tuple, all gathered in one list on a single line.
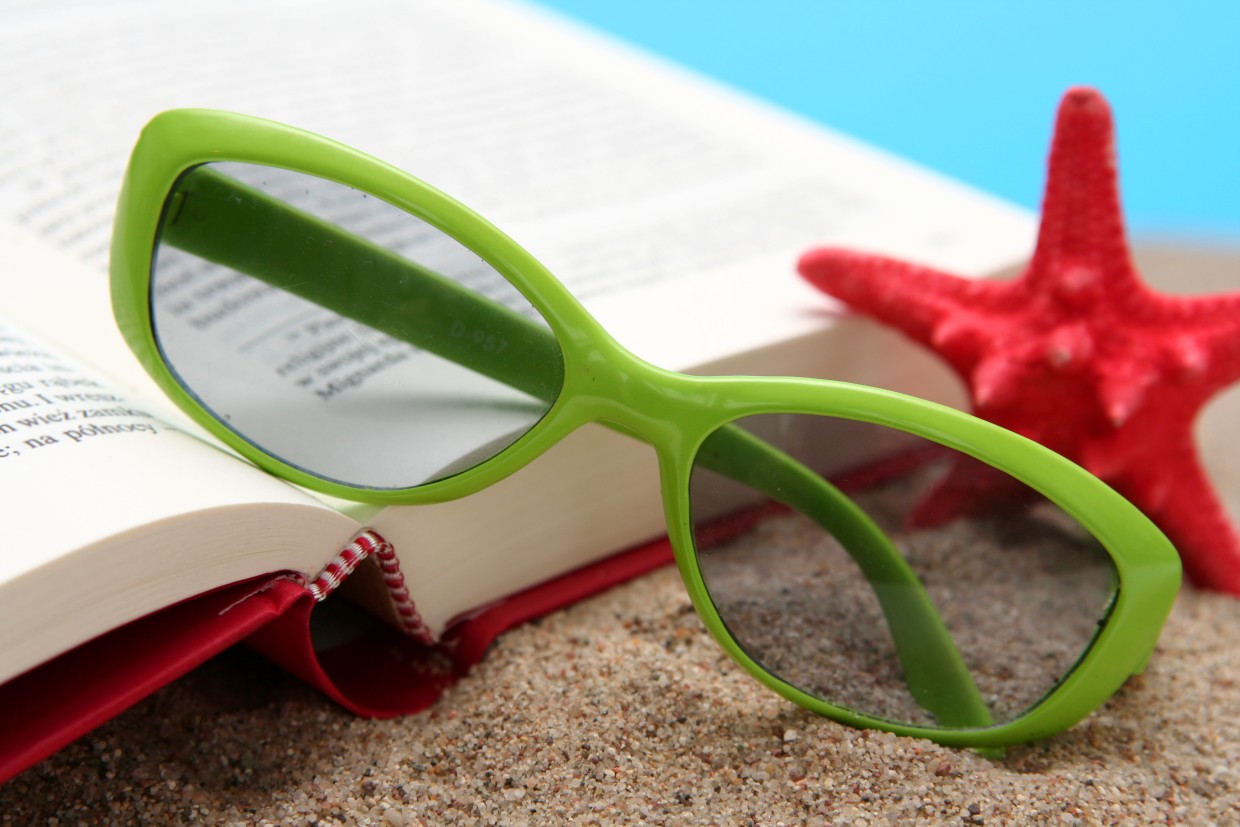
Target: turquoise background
[(970, 88)]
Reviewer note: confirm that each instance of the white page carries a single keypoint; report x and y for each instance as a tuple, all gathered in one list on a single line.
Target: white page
[(94, 534), (674, 209), (81, 462)]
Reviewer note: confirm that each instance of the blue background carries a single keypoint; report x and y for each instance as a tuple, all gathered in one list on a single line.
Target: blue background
[(970, 88)]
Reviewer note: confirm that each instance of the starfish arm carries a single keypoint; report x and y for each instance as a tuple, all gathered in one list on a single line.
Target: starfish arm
[(1081, 237), (1213, 310), (1190, 514), (1203, 338), (1213, 356), (917, 300)]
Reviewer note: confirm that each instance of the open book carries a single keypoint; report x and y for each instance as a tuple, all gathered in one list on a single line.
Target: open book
[(674, 209)]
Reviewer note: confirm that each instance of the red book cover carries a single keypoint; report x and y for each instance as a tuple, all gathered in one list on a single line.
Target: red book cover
[(378, 672)]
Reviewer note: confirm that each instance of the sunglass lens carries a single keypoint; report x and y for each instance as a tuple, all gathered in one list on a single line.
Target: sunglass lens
[(984, 599), (341, 334)]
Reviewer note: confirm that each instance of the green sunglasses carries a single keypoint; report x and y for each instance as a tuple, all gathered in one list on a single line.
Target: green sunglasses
[(354, 331)]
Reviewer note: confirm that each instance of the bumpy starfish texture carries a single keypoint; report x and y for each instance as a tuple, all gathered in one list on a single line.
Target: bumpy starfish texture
[(1077, 352)]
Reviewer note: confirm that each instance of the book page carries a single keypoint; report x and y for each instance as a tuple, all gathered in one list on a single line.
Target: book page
[(674, 209), (110, 514), (81, 462)]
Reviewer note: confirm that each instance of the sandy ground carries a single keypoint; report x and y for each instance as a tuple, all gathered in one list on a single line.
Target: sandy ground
[(621, 710)]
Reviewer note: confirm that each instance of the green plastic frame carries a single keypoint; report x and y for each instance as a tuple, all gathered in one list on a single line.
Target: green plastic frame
[(682, 417)]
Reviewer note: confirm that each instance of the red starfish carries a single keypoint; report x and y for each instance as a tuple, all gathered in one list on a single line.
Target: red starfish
[(1076, 353)]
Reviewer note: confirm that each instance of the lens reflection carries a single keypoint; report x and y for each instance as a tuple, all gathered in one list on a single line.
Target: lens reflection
[(342, 334), (1012, 584)]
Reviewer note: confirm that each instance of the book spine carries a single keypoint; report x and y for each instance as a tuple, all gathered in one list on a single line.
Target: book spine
[(370, 544)]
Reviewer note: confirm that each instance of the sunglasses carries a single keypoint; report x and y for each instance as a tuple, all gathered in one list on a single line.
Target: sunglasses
[(806, 515)]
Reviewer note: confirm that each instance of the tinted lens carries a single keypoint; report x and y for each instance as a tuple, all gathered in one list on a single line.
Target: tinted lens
[(341, 334), (985, 600)]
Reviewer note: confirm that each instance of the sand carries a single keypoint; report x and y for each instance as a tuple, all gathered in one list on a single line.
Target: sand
[(621, 710)]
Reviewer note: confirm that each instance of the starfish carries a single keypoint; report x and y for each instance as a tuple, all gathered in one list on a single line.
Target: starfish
[(1076, 352)]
